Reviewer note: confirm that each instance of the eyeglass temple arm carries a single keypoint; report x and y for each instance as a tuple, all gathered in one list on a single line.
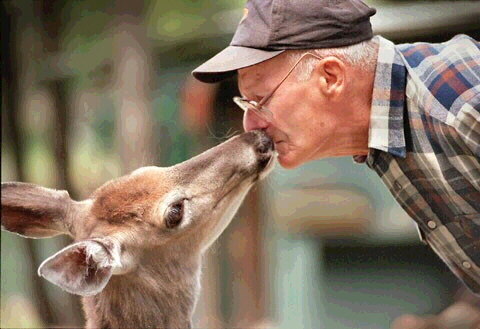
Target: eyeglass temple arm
[(266, 97)]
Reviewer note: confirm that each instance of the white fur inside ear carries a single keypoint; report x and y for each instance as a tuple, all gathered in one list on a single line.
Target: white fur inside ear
[(121, 262), (82, 268)]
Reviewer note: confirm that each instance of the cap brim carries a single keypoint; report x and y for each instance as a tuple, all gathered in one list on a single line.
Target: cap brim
[(225, 63)]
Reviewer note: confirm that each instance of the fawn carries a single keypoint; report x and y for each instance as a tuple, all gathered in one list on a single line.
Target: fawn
[(139, 239)]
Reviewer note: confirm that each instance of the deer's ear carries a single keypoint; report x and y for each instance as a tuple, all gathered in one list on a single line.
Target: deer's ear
[(34, 211), (82, 268)]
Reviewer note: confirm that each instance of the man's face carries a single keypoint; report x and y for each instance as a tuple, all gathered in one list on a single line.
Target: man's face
[(303, 121)]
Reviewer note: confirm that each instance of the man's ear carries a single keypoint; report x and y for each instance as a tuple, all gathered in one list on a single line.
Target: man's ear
[(331, 73), (83, 268), (34, 211)]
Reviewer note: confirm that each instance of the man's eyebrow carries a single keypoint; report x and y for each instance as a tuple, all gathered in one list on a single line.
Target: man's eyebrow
[(254, 95)]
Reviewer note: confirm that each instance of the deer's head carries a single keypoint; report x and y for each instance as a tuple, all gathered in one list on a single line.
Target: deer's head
[(184, 208)]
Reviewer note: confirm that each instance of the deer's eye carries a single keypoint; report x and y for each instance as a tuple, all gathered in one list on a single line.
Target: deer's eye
[(174, 214)]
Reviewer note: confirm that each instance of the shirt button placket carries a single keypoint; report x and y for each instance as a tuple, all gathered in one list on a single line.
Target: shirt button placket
[(397, 186)]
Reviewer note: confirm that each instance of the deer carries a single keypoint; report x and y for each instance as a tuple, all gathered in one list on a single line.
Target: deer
[(138, 240)]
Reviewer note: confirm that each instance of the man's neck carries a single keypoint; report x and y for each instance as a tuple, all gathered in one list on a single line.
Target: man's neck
[(363, 95), (354, 131)]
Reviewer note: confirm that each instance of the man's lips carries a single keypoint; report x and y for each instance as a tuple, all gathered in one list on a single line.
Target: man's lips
[(278, 138), (280, 146)]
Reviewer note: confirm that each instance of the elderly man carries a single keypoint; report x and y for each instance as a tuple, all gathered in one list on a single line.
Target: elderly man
[(312, 76)]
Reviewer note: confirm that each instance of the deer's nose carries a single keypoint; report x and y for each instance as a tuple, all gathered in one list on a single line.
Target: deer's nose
[(265, 143), (260, 140)]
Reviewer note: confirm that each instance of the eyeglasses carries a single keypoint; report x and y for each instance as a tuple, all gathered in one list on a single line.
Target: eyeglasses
[(257, 107)]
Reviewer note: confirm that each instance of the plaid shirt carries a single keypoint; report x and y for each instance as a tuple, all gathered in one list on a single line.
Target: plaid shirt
[(425, 143)]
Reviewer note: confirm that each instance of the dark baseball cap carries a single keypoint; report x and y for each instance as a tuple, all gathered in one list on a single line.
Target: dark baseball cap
[(269, 27)]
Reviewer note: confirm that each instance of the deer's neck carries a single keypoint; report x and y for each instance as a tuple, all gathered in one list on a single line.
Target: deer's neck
[(161, 295)]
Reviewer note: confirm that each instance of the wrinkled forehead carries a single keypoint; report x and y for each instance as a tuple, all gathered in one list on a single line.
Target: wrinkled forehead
[(257, 80)]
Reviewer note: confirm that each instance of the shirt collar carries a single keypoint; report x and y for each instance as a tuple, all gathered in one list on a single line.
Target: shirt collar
[(388, 102)]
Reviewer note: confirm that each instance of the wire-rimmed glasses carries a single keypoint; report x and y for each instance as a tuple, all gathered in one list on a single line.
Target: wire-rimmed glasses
[(257, 107)]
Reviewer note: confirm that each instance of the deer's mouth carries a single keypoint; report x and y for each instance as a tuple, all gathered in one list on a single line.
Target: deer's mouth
[(267, 163), (239, 182)]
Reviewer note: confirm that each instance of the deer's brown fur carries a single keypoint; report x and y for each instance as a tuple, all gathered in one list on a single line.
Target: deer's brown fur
[(139, 239)]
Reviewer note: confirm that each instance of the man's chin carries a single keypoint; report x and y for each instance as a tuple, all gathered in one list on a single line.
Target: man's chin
[(288, 161)]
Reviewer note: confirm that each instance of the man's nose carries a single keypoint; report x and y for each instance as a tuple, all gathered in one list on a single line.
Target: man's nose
[(253, 120)]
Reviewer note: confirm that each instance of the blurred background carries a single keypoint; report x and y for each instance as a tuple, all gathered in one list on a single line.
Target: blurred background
[(93, 89)]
